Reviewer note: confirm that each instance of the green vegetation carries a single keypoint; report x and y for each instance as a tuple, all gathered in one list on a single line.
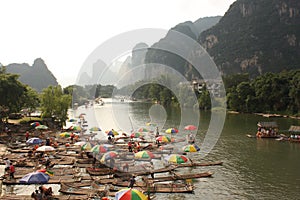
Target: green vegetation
[(270, 92), (54, 103), (255, 37)]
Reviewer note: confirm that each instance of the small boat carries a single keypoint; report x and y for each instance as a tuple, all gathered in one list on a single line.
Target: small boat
[(267, 130), (295, 134), (70, 189)]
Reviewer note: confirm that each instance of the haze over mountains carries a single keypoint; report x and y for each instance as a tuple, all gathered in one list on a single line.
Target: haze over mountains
[(254, 36), (38, 76)]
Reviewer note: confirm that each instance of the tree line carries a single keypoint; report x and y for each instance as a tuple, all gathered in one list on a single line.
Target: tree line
[(270, 92), (53, 101)]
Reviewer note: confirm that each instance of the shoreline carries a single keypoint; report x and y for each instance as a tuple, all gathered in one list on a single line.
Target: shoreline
[(266, 115)]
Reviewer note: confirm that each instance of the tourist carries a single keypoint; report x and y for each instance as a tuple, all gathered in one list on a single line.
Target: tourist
[(7, 164), (191, 138), (27, 135), (157, 132), (151, 169), (47, 161), (112, 163), (129, 146), (11, 171), (126, 167), (72, 137), (47, 141), (131, 181)]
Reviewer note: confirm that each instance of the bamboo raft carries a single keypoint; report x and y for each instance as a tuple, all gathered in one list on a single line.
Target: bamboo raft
[(70, 189)]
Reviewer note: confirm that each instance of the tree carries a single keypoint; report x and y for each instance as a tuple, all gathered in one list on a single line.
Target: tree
[(55, 104), (11, 93), (30, 100)]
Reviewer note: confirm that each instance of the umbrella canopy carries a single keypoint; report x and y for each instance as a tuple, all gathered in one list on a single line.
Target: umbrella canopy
[(72, 120), (35, 178), (176, 158), (41, 127), (163, 138), (109, 155), (143, 130), (103, 148), (112, 132), (144, 154), (130, 194), (172, 130), (65, 134), (191, 148), (87, 146), (35, 124), (76, 128), (136, 135), (34, 141), (190, 127), (95, 129), (45, 148)]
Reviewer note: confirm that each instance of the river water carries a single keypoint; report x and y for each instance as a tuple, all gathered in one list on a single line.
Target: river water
[(252, 169)]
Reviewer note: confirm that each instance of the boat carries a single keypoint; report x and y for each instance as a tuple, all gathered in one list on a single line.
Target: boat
[(295, 134), (56, 197), (267, 130), (70, 189)]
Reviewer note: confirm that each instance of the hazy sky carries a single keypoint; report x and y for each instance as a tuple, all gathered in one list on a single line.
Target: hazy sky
[(64, 32)]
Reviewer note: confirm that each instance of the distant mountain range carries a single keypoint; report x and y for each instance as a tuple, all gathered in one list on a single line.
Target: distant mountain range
[(37, 76), (256, 36)]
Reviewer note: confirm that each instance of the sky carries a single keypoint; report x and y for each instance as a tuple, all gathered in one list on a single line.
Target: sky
[(65, 32)]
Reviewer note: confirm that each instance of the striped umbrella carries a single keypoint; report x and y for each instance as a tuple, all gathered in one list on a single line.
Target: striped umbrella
[(172, 130), (143, 130), (144, 154), (41, 127), (163, 138), (176, 158), (112, 133), (130, 194), (103, 148), (35, 124), (87, 146), (191, 148), (136, 135), (109, 155)]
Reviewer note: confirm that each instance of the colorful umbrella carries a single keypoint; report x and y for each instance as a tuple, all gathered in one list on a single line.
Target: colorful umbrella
[(172, 130), (112, 132), (95, 129), (87, 146), (76, 128), (45, 148), (103, 148), (108, 155), (65, 134), (191, 148), (176, 158), (190, 127), (143, 130), (144, 154), (41, 127), (34, 141), (35, 178), (35, 124), (136, 135), (72, 120), (130, 194), (163, 138)]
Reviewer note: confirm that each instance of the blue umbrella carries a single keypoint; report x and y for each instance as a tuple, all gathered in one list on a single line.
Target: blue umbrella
[(34, 141), (35, 178)]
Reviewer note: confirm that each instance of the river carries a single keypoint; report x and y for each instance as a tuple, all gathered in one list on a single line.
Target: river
[(252, 169)]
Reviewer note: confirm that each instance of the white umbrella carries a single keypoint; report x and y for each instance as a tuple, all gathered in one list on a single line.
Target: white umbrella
[(45, 148)]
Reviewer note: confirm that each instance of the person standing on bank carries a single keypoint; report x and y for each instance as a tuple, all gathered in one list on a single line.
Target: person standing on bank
[(131, 182)]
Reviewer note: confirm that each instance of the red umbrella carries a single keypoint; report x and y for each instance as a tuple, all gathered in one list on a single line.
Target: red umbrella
[(190, 127)]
